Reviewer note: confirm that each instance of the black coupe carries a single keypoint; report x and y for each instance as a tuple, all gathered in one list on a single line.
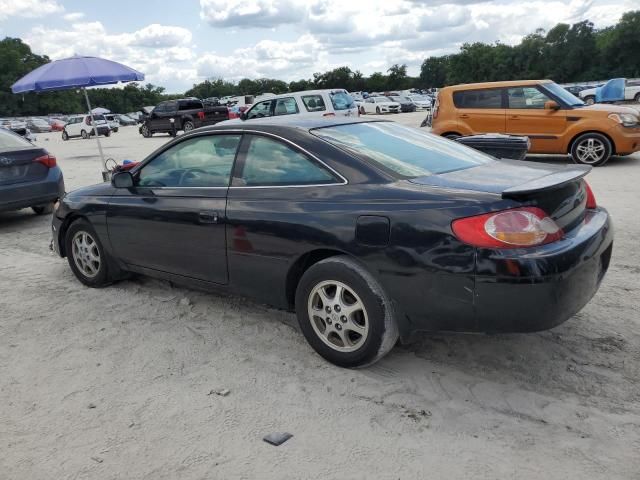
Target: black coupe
[(369, 230)]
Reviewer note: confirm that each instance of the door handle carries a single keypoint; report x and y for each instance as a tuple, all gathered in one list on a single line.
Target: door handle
[(208, 217), (464, 115)]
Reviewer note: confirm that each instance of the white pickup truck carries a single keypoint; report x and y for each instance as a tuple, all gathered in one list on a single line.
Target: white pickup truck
[(631, 92)]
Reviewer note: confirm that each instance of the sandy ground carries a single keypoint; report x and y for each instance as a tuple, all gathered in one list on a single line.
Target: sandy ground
[(115, 383)]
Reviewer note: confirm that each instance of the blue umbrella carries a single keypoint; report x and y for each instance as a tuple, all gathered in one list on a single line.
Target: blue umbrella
[(77, 72)]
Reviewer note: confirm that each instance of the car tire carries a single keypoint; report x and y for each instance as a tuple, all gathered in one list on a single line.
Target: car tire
[(84, 134), (87, 259), (108, 134), (590, 100), (188, 126), (637, 98), (451, 135), (361, 337), (362, 111), (45, 209), (378, 110), (65, 136), (145, 131), (591, 149)]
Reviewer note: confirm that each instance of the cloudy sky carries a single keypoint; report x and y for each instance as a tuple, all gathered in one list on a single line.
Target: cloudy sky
[(178, 43)]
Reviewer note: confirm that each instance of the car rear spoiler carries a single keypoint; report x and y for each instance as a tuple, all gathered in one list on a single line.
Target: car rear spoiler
[(552, 180)]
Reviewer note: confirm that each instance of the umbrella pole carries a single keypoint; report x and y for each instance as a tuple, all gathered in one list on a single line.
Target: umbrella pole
[(95, 128)]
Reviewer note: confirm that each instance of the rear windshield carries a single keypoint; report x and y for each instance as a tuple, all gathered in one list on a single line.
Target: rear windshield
[(10, 141), (405, 151), (342, 101)]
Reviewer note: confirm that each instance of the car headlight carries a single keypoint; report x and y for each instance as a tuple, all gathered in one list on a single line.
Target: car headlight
[(625, 119)]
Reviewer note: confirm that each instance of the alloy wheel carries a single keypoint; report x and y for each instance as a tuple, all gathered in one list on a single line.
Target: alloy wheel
[(590, 150), (338, 316), (86, 254)]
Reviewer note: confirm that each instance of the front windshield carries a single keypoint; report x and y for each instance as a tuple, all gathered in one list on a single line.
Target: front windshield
[(405, 151), (567, 97), (419, 98)]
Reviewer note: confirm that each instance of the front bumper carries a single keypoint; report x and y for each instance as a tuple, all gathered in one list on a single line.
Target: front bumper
[(626, 139), (536, 289), (56, 223), (30, 194)]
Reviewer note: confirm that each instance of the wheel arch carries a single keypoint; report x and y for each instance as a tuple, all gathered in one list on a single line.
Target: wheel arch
[(64, 227), (301, 265), (575, 137)]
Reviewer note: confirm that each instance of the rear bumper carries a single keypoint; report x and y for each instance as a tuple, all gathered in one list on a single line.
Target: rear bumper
[(532, 290), (29, 194)]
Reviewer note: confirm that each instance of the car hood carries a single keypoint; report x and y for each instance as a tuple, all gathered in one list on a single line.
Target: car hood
[(608, 108), (493, 177), (388, 104)]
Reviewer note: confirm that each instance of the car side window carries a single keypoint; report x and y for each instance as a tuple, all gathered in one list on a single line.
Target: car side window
[(526, 97), (272, 163), (286, 106), (314, 103), (204, 161), (259, 110), (486, 98)]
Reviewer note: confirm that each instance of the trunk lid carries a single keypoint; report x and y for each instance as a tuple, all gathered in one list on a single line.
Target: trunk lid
[(18, 166), (558, 191)]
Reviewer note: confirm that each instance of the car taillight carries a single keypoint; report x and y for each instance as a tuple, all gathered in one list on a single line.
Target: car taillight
[(518, 227), (328, 114), (591, 198), (48, 161), (201, 115), (87, 120)]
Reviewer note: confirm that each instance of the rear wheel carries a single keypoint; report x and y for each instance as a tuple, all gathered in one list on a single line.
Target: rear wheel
[(86, 255), (188, 126), (344, 313), (43, 209), (591, 149), (451, 135), (84, 134), (362, 111), (378, 110), (108, 134), (590, 100), (637, 98)]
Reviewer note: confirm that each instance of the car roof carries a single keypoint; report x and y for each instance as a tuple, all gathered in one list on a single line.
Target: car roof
[(305, 92), (271, 124), (510, 83)]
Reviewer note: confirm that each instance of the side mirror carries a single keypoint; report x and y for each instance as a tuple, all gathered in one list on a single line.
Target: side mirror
[(243, 116), (551, 105), (122, 180)]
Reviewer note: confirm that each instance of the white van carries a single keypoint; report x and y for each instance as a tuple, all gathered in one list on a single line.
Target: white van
[(80, 126), (309, 103)]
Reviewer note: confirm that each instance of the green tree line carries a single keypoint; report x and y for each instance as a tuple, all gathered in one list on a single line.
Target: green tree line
[(565, 53)]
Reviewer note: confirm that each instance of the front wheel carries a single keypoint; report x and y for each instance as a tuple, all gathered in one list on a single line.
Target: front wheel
[(362, 111), (344, 313), (85, 255), (84, 134), (378, 110), (188, 126), (590, 100), (65, 136), (591, 149), (637, 98), (108, 134), (146, 133)]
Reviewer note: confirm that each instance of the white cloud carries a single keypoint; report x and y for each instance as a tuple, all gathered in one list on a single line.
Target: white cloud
[(250, 13), (73, 16), (28, 8), (156, 35)]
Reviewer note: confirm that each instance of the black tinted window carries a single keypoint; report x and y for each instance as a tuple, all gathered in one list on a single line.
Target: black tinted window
[(313, 103), (269, 162), (486, 98), (190, 105), (526, 97), (197, 162)]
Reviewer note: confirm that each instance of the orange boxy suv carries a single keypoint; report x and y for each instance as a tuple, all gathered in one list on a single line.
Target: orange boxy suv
[(554, 120)]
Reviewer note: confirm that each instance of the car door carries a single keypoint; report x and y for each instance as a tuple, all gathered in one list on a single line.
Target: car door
[(285, 106), (275, 187), (480, 111), (173, 219), (369, 105), (526, 115)]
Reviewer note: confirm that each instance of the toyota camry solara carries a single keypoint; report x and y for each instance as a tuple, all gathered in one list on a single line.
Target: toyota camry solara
[(369, 230)]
